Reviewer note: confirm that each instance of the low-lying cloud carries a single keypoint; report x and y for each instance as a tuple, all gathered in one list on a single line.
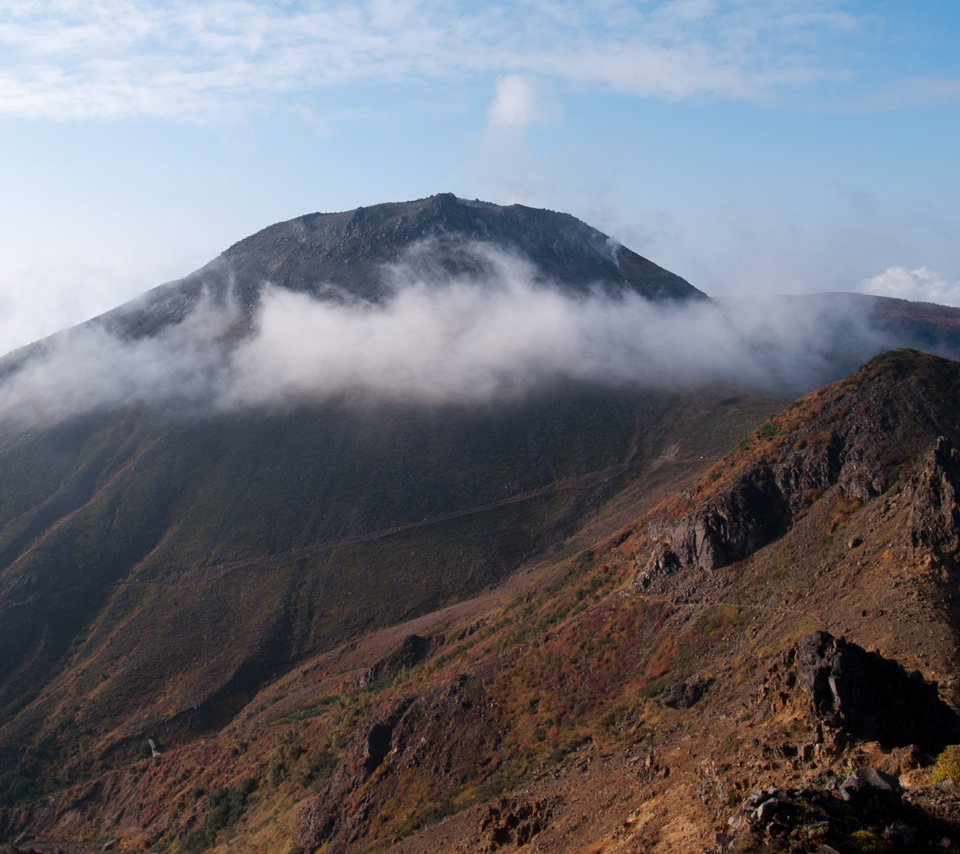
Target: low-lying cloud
[(920, 285), (471, 339)]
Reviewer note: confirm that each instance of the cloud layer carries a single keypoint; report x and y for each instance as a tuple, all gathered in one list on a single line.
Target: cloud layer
[(438, 340), (190, 61)]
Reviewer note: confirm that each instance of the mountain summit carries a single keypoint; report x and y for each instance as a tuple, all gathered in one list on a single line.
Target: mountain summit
[(347, 249), (349, 255)]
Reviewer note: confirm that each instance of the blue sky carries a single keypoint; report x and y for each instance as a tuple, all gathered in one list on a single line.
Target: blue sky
[(749, 146)]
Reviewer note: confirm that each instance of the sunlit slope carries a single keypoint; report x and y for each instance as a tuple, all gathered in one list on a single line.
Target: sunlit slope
[(634, 692)]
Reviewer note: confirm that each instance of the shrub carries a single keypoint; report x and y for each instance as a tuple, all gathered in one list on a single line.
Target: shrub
[(225, 807), (319, 766), (868, 842), (947, 766)]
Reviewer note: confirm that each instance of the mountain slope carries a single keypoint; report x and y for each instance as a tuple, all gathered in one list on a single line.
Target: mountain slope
[(142, 565), (616, 701), (693, 664)]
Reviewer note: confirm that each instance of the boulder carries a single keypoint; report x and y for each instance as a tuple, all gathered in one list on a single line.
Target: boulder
[(682, 695), (872, 697)]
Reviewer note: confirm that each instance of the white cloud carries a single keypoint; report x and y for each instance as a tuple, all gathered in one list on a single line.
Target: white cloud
[(500, 334), (520, 102), (920, 285), (389, 14), (43, 292), (181, 59)]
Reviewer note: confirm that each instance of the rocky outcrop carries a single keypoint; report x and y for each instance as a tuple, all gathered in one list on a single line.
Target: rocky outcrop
[(413, 651), (431, 740), (829, 817), (759, 506), (513, 821), (683, 695), (935, 527), (853, 440), (864, 694), (726, 529)]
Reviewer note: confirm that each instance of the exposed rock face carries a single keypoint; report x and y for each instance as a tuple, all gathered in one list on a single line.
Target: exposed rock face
[(866, 695), (739, 522), (853, 442), (683, 695), (936, 515), (411, 652), (431, 739), (513, 821)]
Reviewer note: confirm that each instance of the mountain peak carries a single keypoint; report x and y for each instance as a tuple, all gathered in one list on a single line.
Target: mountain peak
[(306, 252), (350, 254)]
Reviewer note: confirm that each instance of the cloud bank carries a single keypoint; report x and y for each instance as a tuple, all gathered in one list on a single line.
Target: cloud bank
[(920, 285), (465, 340)]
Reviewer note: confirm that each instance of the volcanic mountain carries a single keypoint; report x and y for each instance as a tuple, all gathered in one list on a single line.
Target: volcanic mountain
[(349, 256), (339, 620), (157, 564)]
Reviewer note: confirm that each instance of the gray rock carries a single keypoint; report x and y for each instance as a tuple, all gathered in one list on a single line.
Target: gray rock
[(869, 782), (872, 697), (770, 809), (682, 695)]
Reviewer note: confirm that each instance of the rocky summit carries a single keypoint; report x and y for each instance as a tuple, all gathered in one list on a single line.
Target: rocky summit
[(614, 619), (351, 255)]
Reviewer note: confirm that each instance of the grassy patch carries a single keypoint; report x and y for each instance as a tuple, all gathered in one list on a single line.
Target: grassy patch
[(947, 766)]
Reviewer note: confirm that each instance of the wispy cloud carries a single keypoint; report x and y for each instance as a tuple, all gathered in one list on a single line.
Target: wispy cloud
[(520, 102), (496, 335), (190, 61)]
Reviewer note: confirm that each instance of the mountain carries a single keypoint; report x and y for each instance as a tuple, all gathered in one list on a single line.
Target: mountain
[(159, 564), (348, 255), (748, 664), (343, 619)]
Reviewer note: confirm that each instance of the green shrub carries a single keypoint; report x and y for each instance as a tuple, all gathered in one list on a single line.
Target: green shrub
[(948, 765), (868, 842), (225, 807), (317, 769)]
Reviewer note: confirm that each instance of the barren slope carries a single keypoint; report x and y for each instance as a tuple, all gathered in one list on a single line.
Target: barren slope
[(621, 700)]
